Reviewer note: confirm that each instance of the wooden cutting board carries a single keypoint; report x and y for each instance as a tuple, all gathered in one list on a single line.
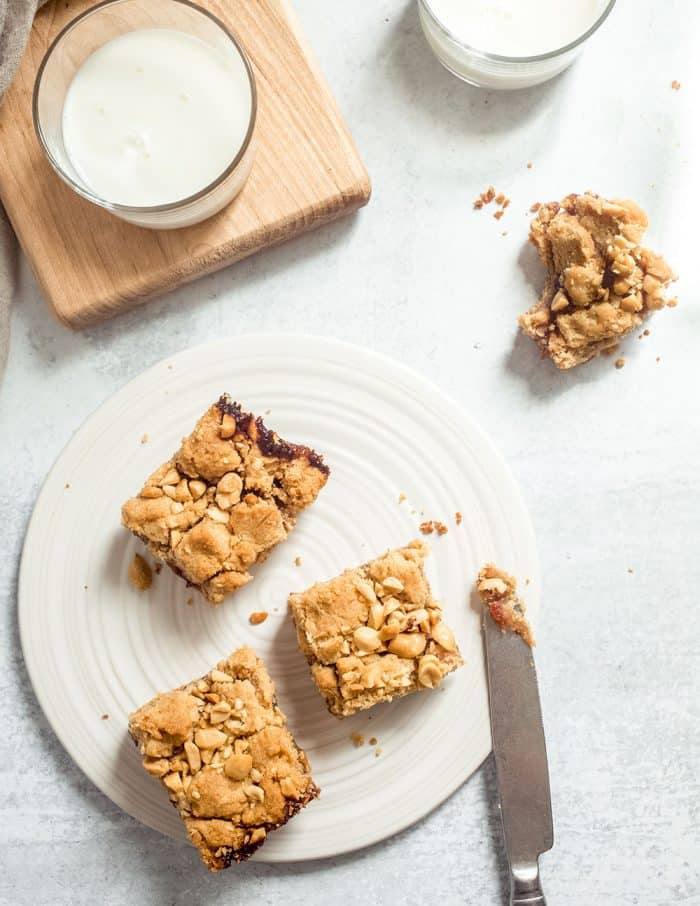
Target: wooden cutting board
[(307, 171)]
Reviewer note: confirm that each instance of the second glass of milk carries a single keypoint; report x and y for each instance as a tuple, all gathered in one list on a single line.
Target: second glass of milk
[(147, 108), (509, 43)]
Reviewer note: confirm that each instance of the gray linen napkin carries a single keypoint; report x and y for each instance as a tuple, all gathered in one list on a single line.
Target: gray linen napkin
[(15, 21)]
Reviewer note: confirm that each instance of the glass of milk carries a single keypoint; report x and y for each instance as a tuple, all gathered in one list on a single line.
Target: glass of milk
[(147, 108), (509, 43)]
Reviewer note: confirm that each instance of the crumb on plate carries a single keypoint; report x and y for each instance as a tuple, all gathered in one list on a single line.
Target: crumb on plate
[(140, 573), (257, 617)]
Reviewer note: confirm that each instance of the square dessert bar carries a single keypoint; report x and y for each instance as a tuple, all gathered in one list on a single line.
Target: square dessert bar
[(601, 283), (221, 748), (375, 632), (227, 497)]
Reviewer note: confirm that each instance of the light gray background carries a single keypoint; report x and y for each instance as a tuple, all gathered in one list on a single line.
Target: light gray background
[(608, 461)]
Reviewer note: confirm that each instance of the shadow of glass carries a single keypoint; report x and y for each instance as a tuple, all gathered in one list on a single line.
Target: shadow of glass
[(453, 106), (174, 313)]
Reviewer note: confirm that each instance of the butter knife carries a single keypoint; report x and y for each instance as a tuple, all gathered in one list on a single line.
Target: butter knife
[(521, 759)]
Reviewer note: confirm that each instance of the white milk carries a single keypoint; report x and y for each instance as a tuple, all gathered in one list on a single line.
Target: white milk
[(519, 28), (154, 116)]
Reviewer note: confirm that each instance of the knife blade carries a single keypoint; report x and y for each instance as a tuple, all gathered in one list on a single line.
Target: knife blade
[(521, 759)]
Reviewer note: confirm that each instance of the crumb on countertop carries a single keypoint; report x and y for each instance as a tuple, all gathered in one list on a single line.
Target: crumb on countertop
[(490, 195), (619, 363), (402, 497), (458, 518), (357, 739), (67, 484), (104, 717), (373, 740), (529, 165), (140, 573), (297, 561), (257, 617), (189, 601), (630, 570), (377, 752), (144, 439), (157, 568), (676, 85), (535, 207)]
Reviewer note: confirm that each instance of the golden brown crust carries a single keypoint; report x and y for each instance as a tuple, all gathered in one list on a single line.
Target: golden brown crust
[(227, 497), (221, 748), (375, 632), (497, 590), (601, 283)]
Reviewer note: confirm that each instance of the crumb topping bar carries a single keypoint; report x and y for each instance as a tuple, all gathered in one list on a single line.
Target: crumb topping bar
[(227, 497), (497, 590), (601, 283), (221, 748), (375, 632)]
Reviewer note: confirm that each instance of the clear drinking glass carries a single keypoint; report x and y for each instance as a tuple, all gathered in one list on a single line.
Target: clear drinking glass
[(488, 70), (84, 35)]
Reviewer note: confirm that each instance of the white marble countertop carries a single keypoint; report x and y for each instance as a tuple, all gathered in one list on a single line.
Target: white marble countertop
[(607, 459)]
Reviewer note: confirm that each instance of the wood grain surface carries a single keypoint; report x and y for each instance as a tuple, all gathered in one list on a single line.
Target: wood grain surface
[(307, 171)]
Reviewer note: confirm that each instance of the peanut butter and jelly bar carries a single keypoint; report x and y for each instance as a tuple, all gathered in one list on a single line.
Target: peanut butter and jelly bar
[(375, 632), (221, 748), (601, 283), (497, 591), (227, 497)]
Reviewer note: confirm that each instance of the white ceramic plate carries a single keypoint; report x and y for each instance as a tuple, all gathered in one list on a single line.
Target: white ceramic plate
[(94, 645)]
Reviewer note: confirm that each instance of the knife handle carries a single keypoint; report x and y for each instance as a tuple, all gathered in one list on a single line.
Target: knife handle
[(525, 887)]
